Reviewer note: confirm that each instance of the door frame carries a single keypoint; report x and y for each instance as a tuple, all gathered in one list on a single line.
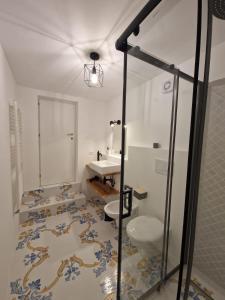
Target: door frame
[(75, 103)]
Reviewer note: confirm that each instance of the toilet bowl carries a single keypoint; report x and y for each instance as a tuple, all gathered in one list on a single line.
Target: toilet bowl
[(145, 232), (112, 210)]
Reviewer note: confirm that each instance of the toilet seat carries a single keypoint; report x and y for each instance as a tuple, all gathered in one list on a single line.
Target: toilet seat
[(145, 229)]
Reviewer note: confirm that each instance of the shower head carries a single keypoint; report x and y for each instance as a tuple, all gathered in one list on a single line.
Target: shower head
[(218, 8)]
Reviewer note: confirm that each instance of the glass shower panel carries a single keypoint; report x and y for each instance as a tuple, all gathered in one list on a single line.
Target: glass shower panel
[(148, 120), (179, 172)]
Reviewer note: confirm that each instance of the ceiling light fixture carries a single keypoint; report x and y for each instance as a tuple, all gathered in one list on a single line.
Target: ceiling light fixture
[(93, 73)]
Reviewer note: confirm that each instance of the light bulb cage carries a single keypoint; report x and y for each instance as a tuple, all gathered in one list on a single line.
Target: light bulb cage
[(90, 69)]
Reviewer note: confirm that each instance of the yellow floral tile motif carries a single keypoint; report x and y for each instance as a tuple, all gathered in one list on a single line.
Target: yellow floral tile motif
[(24, 234), (111, 296), (128, 279), (61, 209), (100, 212), (45, 212), (96, 202), (208, 292), (129, 249), (82, 208), (142, 264), (66, 187), (28, 223), (150, 269)]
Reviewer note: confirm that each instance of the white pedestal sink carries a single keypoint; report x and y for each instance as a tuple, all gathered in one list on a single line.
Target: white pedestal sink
[(104, 167)]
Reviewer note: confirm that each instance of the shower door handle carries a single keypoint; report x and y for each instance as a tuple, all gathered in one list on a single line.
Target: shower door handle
[(127, 200)]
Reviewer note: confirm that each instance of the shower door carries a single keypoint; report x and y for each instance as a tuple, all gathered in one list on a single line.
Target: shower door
[(153, 175), (160, 105)]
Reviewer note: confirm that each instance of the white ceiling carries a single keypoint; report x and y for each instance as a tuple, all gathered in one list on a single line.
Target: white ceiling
[(47, 42)]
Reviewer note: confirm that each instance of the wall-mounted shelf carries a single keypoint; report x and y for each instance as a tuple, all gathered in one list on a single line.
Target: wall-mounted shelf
[(103, 190)]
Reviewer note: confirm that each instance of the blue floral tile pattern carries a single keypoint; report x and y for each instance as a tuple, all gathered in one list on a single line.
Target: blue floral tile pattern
[(105, 256), (31, 258), (100, 212), (86, 218), (30, 293), (34, 244), (29, 235), (61, 227), (34, 198), (90, 235), (195, 293), (71, 272)]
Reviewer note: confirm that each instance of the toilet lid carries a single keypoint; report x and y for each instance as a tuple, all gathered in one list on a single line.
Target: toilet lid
[(145, 229)]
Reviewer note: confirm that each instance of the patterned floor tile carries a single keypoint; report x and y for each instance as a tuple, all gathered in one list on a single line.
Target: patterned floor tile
[(63, 255), (73, 255)]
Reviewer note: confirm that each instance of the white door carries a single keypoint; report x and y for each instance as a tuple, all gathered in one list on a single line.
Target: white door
[(57, 128)]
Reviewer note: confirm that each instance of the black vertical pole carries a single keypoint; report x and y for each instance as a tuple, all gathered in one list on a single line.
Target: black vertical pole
[(198, 151), (191, 146), (119, 269)]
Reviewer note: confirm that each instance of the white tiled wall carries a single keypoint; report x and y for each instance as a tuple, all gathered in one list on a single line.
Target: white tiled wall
[(210, 236)]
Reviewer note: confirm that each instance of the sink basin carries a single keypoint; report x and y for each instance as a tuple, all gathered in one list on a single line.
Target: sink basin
[(104, 167)]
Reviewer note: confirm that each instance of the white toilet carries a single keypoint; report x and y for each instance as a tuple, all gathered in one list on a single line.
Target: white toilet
[(145, 232), (112, 210)]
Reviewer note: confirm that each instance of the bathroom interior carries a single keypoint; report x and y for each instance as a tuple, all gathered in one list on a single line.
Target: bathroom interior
[(112, 138)]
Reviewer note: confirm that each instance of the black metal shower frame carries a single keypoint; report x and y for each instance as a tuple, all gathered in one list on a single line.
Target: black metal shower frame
[(199, 100)]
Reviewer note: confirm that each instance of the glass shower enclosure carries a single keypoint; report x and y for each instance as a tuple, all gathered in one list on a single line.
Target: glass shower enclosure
[(158, 114), (160, 102)]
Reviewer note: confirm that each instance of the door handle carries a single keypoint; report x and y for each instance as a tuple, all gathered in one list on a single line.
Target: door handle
[(70, 134), (127, 200)]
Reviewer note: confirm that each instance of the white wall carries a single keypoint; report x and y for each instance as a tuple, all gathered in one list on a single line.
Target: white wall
[(149, 113), (210, 242), (7, 228), (91, 132)]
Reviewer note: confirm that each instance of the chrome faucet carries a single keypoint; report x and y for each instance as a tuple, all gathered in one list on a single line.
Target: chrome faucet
[(99, 154)]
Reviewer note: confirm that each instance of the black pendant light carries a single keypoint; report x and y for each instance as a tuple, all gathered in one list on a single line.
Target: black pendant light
[(93, 73)]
